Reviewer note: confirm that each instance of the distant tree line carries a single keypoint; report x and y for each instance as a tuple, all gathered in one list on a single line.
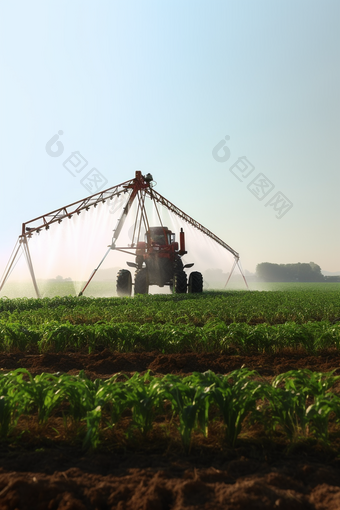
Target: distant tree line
[(300, 272)]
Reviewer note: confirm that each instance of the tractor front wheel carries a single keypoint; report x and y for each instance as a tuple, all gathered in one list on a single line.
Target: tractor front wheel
[(124, 283), (195, 284), (142, 282), (180, 282)]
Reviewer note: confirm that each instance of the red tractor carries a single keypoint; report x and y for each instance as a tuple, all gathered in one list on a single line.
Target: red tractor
[(159, 262)]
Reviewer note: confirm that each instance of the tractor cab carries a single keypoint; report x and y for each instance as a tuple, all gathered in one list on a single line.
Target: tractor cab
[(160, 243), (160, 239), (159, 236)]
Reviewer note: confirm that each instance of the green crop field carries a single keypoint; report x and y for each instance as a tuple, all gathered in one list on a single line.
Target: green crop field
[(300, 316), (296, 404)]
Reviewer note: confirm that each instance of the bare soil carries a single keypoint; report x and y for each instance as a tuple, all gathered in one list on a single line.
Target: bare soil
[(254, 475), (106, 363)]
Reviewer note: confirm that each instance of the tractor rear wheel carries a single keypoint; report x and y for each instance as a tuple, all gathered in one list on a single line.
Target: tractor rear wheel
[(142, 282), (180, 282), (124, 283), (195, 284)]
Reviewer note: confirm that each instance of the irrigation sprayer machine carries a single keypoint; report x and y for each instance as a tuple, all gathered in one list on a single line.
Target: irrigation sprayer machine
[(157, 254)]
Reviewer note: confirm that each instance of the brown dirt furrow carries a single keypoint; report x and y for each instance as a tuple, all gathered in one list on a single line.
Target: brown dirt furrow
[(62, 480), (106, 363)]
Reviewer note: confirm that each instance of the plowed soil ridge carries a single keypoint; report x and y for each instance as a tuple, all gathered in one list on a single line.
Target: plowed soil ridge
[(69, 479)]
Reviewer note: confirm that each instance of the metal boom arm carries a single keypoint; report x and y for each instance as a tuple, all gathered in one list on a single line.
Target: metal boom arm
[(68, 211), (169, 205)]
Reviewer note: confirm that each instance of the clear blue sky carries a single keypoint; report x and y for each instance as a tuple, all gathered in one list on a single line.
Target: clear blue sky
[(155, 86)]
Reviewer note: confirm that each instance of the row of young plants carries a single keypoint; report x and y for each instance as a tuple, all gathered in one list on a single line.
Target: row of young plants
[(250, 307), (215, 335), (298, 403)]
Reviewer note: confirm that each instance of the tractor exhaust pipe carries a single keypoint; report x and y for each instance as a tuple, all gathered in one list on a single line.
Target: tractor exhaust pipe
[(182, 241)]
